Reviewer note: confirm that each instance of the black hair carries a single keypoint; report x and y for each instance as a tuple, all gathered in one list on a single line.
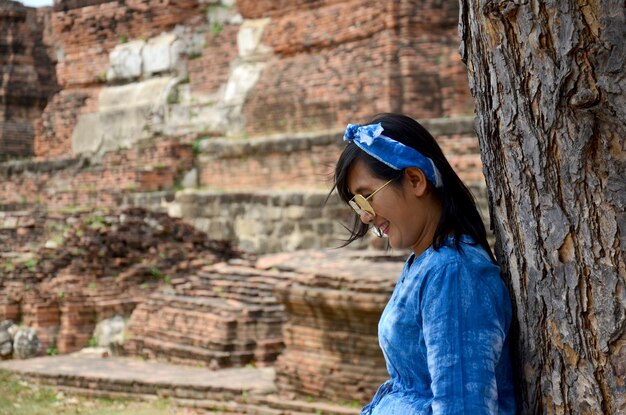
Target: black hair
[(459, 212)]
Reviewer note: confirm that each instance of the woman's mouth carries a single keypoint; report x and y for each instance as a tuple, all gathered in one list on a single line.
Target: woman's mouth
[(384, 228)]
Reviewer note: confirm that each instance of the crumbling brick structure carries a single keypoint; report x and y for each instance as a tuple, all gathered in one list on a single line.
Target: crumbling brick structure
[(101, 264), (343, 61), (27, 76), (85, 32)]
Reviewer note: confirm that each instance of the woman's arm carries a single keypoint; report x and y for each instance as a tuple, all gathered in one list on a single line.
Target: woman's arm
[(465, 322)]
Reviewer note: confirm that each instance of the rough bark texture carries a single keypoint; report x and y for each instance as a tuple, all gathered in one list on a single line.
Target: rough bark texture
[(549, 85)]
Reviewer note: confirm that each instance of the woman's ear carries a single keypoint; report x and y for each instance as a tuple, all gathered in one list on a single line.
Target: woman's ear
[(417, 180)]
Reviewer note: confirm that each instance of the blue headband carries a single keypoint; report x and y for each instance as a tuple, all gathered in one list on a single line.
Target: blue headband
[(391, 152)]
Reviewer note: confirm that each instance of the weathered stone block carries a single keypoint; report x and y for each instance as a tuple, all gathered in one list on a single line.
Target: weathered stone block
[(26, 344), (249, 227), (315, 200), (202, 224), (240, 81), (249, 38), (190, 179), (125, 114), (110, 331), (162, 54), (126, 61), (6, 344), (221, 229)]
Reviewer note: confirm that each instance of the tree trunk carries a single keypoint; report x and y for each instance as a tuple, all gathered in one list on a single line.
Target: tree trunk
[(549, 85)]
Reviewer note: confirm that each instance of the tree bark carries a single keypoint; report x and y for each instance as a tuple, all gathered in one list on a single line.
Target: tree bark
[(549, 86)]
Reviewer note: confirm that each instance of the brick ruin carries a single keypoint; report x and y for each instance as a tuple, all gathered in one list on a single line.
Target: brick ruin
[(220, 316), (333, 302), (224, 119), (28, 76), (72, 270)]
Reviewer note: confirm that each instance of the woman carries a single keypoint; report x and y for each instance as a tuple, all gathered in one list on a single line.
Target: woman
[(444, 332)]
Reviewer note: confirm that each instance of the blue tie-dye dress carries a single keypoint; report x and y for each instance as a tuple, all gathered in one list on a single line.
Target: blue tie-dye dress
[(444, 334)]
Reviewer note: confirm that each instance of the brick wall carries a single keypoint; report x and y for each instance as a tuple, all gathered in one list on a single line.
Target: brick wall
[(85, 182), (429, 72), (331, 65), (343, 61), (209, 70), (282, 163), (87, 33), (58, 120), (312, 92), (254, 9), (333, 61), (307, 161), (27, 74)]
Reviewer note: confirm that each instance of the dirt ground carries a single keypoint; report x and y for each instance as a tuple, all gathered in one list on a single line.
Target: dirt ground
[(21, 398)]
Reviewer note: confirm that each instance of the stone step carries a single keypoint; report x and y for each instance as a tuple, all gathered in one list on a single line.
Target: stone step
[(269, 405), (119, 376), (232, 407), (248, 391), (295, 406)]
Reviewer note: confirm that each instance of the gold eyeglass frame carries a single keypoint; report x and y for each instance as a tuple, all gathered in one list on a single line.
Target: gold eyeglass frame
[(361, 204)]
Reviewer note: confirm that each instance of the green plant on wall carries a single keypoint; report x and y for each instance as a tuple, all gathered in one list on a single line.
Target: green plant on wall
[(216, 28), (95, 221), (155, 273), (196, 147), (31, 264), (173, 97), (9, 266), (93, 342), (193, 55)]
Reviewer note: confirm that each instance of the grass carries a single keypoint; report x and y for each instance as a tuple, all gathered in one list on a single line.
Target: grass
[(20, 398)]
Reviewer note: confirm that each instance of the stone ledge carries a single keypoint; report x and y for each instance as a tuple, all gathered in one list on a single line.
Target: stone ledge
[(228, 148), (286, 143), (269, 221), (11, 167), (270, 405), (65, 5), (449, 126), (230, 391), (85, 372)]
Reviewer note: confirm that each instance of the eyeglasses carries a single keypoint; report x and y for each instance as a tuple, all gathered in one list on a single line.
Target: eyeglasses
[(360, 204)]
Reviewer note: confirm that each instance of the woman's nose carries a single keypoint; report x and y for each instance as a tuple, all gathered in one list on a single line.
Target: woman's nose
[(366, 217)]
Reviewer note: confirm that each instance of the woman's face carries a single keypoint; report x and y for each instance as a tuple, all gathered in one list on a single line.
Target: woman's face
[(408, 214)]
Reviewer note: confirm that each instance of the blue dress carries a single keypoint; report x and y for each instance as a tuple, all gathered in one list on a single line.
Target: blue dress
[(444, 335)]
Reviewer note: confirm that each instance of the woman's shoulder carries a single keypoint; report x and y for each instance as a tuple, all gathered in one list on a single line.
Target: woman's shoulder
[(462, 252), (466, 270), (467, 264)]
